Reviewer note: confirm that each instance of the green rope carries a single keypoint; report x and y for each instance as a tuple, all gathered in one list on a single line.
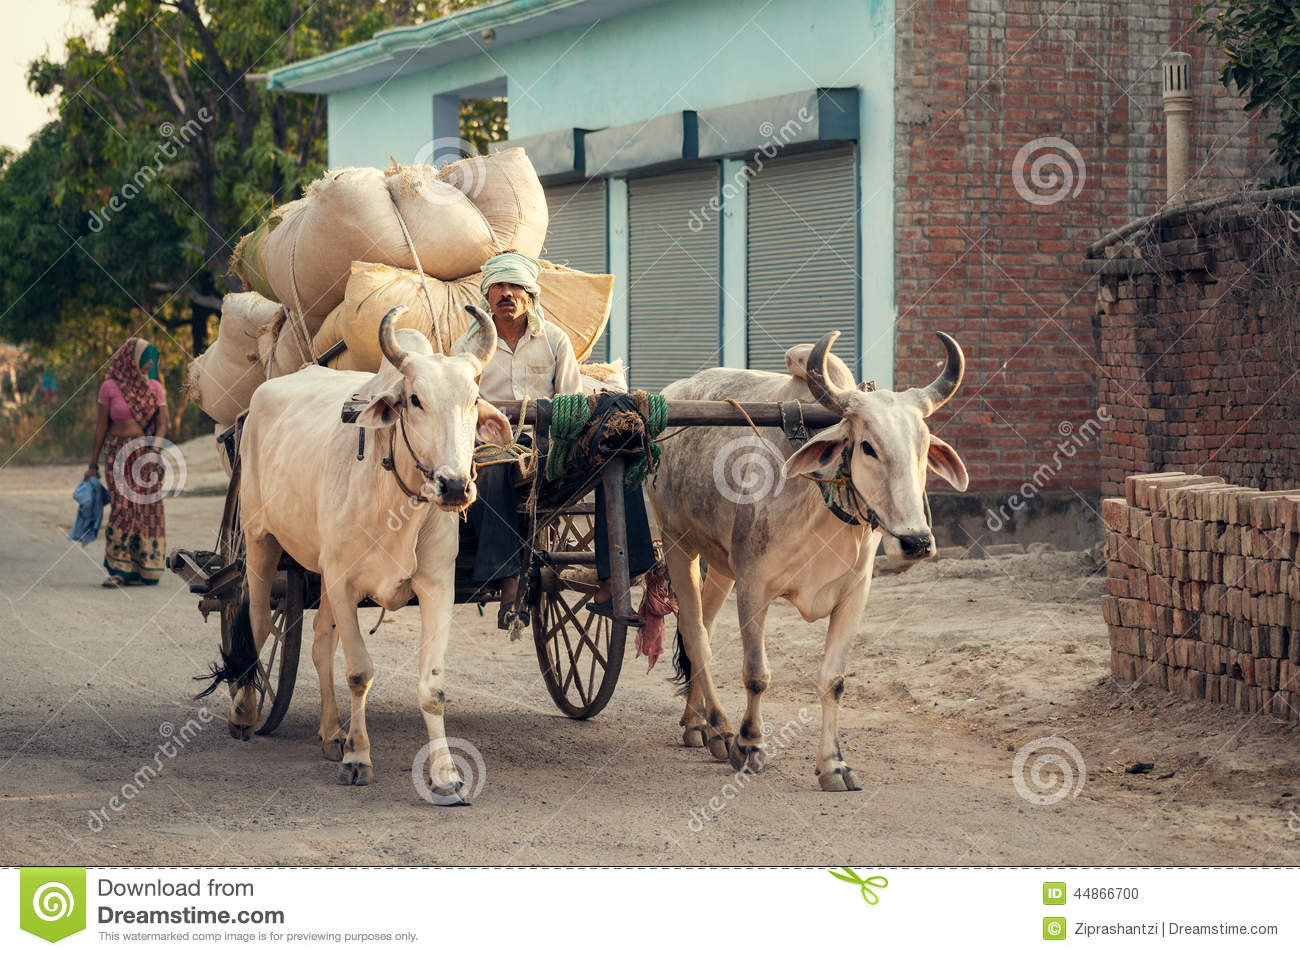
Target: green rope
[(648, 464), (569, 416)]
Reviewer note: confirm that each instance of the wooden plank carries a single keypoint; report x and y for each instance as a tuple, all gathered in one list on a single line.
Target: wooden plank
[(682, 412)]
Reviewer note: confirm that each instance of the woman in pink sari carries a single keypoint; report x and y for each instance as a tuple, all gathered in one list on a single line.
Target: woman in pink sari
[(129, 431)]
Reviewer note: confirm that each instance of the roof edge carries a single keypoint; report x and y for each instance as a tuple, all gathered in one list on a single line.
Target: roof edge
[(387, 44)]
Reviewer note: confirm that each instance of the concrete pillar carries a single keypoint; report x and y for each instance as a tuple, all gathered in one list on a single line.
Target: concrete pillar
[(734, 279), (1176, 68), (620, 267)]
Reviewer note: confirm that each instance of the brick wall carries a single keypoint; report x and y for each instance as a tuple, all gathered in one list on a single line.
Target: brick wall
[(1199, 350), (1203, 591), (976, 81)]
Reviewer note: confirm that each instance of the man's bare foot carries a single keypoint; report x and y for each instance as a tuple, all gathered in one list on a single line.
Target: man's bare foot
[(602, 593)]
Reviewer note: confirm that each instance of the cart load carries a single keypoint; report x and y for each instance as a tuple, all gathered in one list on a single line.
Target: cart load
[(326, 268), (442, 221)]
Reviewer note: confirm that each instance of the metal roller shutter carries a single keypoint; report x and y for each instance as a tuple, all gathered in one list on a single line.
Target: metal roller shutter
[(673, 285), (576, 236), (803, 256)]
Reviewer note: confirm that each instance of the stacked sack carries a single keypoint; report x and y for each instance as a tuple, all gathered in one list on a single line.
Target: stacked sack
[(323, 269), (577, 302)]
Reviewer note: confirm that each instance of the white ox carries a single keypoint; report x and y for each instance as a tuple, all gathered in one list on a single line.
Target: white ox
[(303, 491), (789, 544)]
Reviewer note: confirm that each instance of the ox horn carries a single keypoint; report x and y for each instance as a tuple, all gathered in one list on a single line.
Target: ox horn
[(937, 393), (388, 341), (484, 342), (815, 375)]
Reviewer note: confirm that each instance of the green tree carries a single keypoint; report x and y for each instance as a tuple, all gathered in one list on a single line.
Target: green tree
[(1260, 40)]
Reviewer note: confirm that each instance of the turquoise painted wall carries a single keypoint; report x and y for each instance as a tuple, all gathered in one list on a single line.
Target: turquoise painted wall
[(685, 54)]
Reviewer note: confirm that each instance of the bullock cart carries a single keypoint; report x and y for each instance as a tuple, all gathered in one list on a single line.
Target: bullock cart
[(580, 653)]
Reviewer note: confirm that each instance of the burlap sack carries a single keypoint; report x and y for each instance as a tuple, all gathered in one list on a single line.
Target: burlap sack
[(505, 188), (222, 380), (351, 214), (577, 302), (280, 346)]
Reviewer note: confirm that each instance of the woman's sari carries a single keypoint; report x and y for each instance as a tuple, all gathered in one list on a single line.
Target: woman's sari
[(135, 539)]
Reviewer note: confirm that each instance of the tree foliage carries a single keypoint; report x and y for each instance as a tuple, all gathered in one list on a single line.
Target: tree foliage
[(167, 148), (1260, 40)]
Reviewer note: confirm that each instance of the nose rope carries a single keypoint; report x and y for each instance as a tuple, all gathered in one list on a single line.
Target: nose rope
[(853, 511)]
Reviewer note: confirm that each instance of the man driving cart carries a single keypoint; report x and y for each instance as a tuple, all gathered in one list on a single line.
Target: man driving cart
[(534, 359)]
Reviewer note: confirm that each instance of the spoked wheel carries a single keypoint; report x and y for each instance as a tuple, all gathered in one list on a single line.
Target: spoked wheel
[(278, 663), (580, 652)]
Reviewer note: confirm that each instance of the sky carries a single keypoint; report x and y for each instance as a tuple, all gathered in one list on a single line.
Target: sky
[(32, 28)]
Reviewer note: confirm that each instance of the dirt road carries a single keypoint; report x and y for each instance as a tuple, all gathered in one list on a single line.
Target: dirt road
[(959, 664)]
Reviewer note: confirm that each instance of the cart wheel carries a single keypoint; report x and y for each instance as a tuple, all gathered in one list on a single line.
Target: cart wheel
[(580, 653), (278, 662)]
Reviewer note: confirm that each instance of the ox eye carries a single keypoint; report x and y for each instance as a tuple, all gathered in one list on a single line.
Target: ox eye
[(868, 450), (415, 400)]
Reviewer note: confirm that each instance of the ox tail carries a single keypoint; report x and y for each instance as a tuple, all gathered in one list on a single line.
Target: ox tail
[(681, 666), (239, 665)]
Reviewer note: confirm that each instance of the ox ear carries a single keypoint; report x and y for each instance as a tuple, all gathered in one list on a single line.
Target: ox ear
[(383, 409), (819, 453), (947, 464)]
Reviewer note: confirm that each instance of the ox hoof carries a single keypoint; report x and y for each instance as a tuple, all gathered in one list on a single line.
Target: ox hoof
[(240, 731), (693, 737), (838, 780), (454, 794), (720, 745), (355, 774), (332, 749), (747, 757)]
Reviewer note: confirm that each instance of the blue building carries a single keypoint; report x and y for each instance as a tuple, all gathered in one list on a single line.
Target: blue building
[(729, 161)]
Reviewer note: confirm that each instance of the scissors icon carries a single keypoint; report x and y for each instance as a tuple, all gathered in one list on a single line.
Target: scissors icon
[(868, 893)]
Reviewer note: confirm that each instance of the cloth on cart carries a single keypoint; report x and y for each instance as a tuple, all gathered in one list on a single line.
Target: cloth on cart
[(494, 516), (91, 497)]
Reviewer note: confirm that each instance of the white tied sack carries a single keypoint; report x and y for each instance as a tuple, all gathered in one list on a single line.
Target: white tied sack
[(597, 377), (577, 302), (505, 188), (280, 349), (353, 214), (222, 380)]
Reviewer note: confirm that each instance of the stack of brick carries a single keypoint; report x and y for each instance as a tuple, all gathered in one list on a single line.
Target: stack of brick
[(1203, 590)]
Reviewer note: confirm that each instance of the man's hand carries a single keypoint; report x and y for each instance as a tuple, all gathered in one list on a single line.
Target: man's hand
[(492, 425)]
